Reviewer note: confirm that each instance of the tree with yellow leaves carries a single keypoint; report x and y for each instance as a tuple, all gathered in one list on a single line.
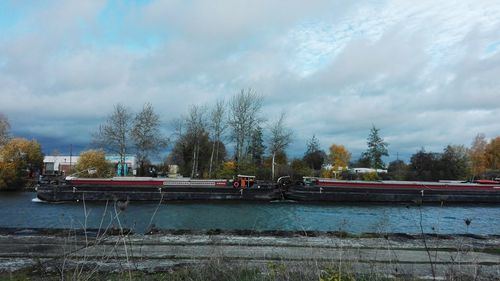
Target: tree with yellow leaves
[(339, 158), (493, 154), (19, 160), (477, 154), (228, 170), (93, 164)]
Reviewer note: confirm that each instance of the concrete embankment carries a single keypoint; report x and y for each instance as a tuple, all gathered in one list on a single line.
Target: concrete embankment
[(389, 255)]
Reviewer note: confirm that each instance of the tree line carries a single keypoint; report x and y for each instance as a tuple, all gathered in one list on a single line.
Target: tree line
[(199, 147), (480, 161), (198, 143)]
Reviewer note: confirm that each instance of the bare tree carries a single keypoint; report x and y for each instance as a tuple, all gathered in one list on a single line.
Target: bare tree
[(113, 135), (146, 135), (4, 129), (178, 140), (281, 137), (217, 127), (178, 126), (243, 118), (196, 124)]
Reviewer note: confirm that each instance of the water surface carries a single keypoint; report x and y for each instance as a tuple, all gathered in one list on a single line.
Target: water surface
[(19, 210)]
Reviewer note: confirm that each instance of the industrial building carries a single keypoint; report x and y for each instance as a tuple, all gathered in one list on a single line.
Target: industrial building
[(62, 164)]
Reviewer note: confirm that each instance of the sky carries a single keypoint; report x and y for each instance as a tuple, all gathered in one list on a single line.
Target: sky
[(426, 73)]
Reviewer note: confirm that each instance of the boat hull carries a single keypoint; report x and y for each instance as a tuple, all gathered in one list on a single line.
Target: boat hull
[(58, 193), (391, 194)]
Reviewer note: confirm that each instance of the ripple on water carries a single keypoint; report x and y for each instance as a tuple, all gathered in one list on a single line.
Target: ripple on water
[(23, 210)]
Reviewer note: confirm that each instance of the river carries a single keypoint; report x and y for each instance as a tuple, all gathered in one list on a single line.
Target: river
[(19, 209)]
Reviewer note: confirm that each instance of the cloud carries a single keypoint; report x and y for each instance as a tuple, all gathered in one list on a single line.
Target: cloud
[(423, 72), (221, 21)]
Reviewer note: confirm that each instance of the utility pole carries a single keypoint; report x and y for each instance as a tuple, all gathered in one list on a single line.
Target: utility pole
[(70, 157)]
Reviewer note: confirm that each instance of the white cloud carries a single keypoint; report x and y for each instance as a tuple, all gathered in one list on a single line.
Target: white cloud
[(424, 72)]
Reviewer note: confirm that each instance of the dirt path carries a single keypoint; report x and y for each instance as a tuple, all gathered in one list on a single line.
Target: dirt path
[(390, 255)]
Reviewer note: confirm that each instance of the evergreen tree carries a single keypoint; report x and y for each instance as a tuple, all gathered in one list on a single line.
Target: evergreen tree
[(314, 156), (312, 145), (376, 149), (256, 148)]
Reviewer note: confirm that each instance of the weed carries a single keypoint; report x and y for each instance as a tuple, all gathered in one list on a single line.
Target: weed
[(336, 274)]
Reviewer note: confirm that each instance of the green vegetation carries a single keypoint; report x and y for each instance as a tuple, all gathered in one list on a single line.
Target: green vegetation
[(314, 158), (377, 148)]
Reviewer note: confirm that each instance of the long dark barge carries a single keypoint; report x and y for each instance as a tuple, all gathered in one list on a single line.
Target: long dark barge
[(245, 188), (156, 189), (330, 190)]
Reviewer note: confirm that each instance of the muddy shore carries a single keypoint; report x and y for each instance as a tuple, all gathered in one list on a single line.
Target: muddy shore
[(394, 254)]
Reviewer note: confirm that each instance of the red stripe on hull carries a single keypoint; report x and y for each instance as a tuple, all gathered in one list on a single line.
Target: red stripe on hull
[(140, 183), (105, 182)]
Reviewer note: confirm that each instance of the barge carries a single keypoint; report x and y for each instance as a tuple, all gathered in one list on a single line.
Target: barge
[(331, 190), (245, 188), (156, 189)]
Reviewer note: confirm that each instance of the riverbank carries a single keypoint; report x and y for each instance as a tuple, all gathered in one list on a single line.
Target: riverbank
[(281, 255)]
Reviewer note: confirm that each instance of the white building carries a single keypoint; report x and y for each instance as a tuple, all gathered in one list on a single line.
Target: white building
[(130, 163), (368, 170), (130, 160), (60, 164), (63, 164), (330, 167)]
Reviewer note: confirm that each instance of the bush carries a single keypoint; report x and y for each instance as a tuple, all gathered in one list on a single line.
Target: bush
[(20, 159), (93, 164), (372, 176)]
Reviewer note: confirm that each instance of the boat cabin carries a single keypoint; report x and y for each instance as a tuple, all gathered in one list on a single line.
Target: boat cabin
[(244, 181)]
